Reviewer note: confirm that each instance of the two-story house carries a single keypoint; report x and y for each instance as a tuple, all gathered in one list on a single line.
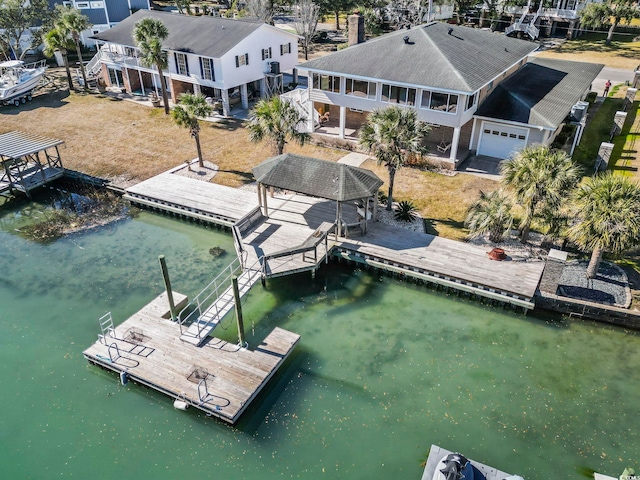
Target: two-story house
[(103, 14), (230, 60), (460, 80)]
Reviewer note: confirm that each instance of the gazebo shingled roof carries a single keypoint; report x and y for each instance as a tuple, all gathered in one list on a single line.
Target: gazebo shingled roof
[(317, 178)]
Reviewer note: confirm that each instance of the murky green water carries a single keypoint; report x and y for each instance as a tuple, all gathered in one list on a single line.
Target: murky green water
[(383, 370)]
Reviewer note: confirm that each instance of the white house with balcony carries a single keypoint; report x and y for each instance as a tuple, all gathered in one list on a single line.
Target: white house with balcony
[(448, 75), (534, 19), (222, 59)]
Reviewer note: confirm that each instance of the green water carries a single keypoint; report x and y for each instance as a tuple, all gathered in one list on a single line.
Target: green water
[(383, 370)]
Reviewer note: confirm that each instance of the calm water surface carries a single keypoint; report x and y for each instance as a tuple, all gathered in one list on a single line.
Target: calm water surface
[(383, 370)]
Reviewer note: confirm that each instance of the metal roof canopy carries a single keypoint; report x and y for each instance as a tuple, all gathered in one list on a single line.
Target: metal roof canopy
[(14, 145), (317, 178)]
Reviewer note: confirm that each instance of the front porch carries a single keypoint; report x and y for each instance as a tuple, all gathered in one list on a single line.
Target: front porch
[(439, 142)]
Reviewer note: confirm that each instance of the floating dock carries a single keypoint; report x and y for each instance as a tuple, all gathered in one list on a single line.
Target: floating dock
[(438, 453), (219, 378)]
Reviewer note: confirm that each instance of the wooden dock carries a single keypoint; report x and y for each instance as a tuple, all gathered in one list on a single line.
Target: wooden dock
[(437, 453), (219, 378), (294, 219), (191, 198)]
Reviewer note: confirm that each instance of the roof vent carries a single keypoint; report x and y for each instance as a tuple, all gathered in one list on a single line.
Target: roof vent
[(450, 31), (406, 39)]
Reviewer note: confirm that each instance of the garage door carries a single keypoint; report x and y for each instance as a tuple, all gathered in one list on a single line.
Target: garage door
[(499, 141)]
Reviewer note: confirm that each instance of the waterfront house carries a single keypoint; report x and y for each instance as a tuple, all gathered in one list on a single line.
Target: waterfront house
[(479, 90), (222, 59)]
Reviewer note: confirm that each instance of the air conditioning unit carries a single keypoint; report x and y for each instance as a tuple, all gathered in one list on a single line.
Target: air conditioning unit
[(274, 67), (579, 110)]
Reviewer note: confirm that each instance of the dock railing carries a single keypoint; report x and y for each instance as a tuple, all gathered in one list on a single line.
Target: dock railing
[(213, 297)]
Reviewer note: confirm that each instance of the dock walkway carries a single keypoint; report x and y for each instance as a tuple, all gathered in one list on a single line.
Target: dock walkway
[(293, 219), (219, 378)]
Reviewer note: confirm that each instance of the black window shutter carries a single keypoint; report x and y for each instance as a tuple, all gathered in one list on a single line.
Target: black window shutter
[(237, 61), (270, 55), (289, 47), (263, 54), (281, 50), (175, 57), (246, 59), (213, 73), (201, 68), (186, 64)]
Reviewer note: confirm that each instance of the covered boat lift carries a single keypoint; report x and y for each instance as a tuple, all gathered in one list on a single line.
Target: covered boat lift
[(28, 161)]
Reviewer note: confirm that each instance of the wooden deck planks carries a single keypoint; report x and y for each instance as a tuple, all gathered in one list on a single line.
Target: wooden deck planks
[(203, 196), (237, 375)]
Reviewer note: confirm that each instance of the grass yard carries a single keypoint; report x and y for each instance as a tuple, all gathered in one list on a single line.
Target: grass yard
[(112, 138), (623, 52)]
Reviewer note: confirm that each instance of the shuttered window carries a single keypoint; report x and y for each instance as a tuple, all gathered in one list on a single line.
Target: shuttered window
[(242, 60), (266, 53), (285, 48), (182, 67), (206, 69)]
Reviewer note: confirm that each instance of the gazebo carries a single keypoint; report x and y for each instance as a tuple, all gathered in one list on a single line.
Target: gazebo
[(321, 179)]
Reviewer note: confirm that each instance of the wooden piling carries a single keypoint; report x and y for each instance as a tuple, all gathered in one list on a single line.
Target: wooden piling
[(167, 286)]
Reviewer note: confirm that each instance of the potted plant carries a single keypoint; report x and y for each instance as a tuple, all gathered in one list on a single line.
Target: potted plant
[(153, 98)]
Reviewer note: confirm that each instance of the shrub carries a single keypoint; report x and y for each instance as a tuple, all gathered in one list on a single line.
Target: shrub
[(405, 211)]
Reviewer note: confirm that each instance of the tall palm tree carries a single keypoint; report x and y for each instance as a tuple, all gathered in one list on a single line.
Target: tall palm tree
[(186, 114), (491, 214), (607, 208), (391, 134), (72, 23), (56, 41), (149, 34), (277, 121), (538, 176)]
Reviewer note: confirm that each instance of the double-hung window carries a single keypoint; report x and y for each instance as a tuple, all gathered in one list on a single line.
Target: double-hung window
[(266, 53), (242, 60), (285, 48), (182, 67), (206, 69)]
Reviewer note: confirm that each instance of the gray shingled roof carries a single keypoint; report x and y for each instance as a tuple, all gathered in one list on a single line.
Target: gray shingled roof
[(317, 178), (205, 36), (541, 93), (464, 61)]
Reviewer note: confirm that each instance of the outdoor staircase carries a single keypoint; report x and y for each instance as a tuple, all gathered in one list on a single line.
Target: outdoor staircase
[(299, 98), (526, 24), (209, 316)]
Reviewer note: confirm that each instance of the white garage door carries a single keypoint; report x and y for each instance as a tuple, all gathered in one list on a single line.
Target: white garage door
[(499, 141)]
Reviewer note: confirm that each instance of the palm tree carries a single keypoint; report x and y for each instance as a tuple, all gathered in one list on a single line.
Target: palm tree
[(186, 115), (276, 120), (491, 214), (607, 208), (149, 34), (391, 134), (538, 177), (56, 41), (71, 22)]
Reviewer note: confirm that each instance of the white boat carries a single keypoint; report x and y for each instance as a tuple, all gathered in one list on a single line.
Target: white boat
[(18, 80), (443, 464)]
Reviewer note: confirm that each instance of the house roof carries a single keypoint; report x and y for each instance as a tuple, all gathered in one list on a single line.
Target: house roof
[(463, 61), (204, 35), (317, 178), (541, 93)]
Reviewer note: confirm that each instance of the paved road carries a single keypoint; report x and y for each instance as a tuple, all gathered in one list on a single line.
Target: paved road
[(616, 75)]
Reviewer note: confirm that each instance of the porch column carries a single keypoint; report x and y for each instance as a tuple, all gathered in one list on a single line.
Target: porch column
[(196, 89), (225, 102), (454, 144), (260, 195), (141, 82), (343, 120), (310, 114), (472, 141), (244, 96), (263, 88), (295, 75)]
